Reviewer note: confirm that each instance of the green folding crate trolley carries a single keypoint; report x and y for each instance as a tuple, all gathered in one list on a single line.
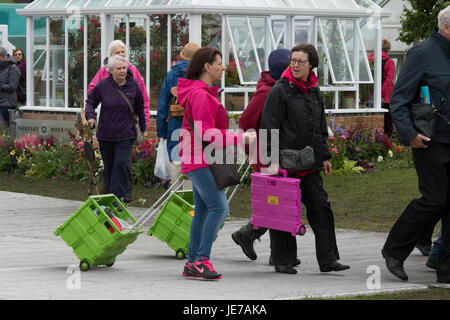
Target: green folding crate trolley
[(94, 233), (173, 223)]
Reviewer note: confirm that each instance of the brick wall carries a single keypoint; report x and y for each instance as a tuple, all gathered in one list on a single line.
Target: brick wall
[(375, 120)]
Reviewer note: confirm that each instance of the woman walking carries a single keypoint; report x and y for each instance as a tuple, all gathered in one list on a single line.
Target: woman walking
[(294, 107), (118, 94), (209, 119)]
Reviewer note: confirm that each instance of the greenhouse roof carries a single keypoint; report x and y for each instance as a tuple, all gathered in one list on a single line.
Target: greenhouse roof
[(336, 8)]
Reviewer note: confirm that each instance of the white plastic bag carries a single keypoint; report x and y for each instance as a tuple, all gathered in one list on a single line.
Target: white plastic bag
[(162, 164)]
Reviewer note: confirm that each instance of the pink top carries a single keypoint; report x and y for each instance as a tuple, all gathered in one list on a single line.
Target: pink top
[(210, 122), (104, 73)]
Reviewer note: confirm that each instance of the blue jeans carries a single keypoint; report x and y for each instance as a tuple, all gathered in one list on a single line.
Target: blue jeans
[(434, 252), (210, 207)]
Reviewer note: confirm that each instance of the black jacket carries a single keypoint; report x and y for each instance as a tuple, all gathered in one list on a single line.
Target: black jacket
[(9, 80), (426, 64), (291, 111)]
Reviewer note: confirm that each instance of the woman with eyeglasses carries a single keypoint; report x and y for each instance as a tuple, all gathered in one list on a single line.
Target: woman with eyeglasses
[(294, 106)]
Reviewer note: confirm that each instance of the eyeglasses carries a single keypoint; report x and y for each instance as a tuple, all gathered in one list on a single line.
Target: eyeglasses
[(300, 62)]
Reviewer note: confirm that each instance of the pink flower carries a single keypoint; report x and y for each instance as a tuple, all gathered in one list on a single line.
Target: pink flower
[(334, 150), (357, 149), (331, 138)]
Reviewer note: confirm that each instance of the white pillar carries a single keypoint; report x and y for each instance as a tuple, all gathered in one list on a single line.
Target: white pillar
[(377, 67), (195, 28), (30, 61), (107, 34), (290, 32)]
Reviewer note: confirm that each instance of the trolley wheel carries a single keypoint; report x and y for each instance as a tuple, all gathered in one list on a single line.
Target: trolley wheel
[(180, 254), (302, 230), (110, 264), (84, 265)]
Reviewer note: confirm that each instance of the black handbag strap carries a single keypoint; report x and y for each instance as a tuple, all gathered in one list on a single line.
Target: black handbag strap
[(443, 102)]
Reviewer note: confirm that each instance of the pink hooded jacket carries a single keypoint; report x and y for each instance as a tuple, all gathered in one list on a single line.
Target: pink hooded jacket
[(210, 121), (104, 73)]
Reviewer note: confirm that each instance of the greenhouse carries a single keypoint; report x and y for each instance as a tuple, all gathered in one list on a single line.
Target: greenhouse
[(67, 43)]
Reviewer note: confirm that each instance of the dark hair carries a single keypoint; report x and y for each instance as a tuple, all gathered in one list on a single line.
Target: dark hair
[(18, 49), (310, 50), (197, 64)]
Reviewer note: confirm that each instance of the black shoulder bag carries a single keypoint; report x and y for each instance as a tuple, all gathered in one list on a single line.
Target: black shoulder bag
[(294, 160), (424, 116), (225, 175)]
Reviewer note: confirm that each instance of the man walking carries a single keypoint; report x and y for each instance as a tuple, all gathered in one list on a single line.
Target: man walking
[(427, 64)]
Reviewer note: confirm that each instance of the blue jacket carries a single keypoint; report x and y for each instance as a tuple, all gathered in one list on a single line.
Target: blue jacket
[(165, 129), (115, 122), (426, 64)]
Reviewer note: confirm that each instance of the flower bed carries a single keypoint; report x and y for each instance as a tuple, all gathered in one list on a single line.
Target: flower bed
[(359, 148), (31, 156), (354, 149)]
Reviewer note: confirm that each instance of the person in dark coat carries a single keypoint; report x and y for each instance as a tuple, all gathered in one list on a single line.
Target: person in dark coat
[(9, 80), (251, 119), (116, 131), (426, 64), (166, 125), (295, 108)]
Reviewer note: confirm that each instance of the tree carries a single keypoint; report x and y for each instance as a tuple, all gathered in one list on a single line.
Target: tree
[(419, 21)]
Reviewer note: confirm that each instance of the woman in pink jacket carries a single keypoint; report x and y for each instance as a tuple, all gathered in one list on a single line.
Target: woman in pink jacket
[(199, 98), (117, 47)]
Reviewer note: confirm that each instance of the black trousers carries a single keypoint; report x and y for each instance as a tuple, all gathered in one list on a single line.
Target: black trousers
[(116, 157), (433, 170), (321, 220)]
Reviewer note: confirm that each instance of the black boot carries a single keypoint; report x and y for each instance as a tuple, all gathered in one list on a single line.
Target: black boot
[(245, 237)]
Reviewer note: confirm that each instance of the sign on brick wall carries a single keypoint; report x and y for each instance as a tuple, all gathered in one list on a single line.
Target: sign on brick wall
[(45, 128)]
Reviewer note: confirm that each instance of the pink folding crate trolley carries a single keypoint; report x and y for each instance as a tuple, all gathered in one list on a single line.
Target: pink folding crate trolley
[(276, 203)]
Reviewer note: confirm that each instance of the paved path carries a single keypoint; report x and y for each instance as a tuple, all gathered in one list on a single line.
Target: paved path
[(36, 264)]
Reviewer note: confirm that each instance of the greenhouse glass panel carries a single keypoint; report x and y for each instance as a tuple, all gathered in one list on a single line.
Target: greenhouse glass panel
[(118, 3), (76, 3), (57, 4), (211, 30), (210, 3), (326, 4), (38, 4), (256, 3), (238, 3), (279, 3), (95, 3), (340, 70), (76, 62), (139, 3), (366, 3), (356, 51), (158, 56), (180, 35), (179, 2), (160, 2), (57, 57), (307, 4), (241, 37), (347, 4), (303, 30), (259, 28), (39, 58), (279, 30)]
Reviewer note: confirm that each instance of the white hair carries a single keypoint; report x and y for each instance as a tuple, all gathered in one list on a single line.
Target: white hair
[(113, 46), (112, 62), (443, 17)]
